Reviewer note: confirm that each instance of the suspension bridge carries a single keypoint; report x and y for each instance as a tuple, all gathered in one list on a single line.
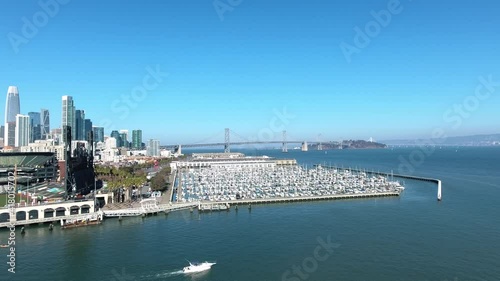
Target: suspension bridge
[(227, 144)]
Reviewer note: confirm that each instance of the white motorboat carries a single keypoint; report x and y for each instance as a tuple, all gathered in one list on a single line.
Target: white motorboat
[(197, 267)]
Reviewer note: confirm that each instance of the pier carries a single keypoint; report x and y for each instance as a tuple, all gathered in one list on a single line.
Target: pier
[(149, 209)]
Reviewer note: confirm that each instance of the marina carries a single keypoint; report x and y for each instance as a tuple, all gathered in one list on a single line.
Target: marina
[(392, 175), (247, 181)]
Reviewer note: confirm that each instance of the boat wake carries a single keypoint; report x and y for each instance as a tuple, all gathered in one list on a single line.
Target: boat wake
[(162, 275)]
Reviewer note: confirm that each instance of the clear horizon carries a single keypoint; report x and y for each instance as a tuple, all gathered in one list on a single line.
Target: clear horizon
[(182, 71)]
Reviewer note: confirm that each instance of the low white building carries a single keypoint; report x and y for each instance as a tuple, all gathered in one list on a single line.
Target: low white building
[(45, 146), (165, 153), (137, 152), (111, 155), (110, 143)]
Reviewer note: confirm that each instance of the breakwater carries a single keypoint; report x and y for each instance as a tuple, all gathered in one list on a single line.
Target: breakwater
[(436, 181)]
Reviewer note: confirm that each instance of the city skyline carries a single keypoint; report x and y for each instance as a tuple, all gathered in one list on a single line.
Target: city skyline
[(318, 67)]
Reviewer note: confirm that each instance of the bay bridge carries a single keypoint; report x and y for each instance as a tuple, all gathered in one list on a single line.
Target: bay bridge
[(227, 144)]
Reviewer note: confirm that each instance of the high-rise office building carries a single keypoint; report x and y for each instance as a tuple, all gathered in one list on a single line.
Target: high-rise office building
[(12, 108), (124, 134), (137, 139), (124, 140), (35, 126), (88, 128), (79, 125), (153, 148), (98, 134), (22, 130), (68, 115), (45, 123), (116, 135)]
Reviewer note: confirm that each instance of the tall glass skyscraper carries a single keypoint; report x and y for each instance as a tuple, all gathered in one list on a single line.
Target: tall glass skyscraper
[(80, 125), (35, 126), (45, 123), (88, 128), (115, 134), (68, 116), (12, 108), (136, 139), (98, 134)]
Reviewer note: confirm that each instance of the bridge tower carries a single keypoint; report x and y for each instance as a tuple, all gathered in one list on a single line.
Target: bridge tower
[(304, 146), (227, 148), (178, 149), (284, 145)]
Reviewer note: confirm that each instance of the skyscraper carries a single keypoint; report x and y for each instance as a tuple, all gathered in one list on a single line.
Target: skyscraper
[(124, 140), (124, 135), (22, 130), (45, 123), (80, 125), (117, 136), (98, 134), (154, 148), (68, 115), (88, 128), (35, 126), (12, 108), (137, 139)]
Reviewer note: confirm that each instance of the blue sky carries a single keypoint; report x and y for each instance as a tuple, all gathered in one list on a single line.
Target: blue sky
[(259, 58)]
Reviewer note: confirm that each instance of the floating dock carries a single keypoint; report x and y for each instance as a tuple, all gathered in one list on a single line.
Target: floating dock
[(213, 207), (310, 198)]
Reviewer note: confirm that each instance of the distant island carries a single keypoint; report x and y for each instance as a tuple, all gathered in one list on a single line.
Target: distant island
[(474, 140), (349, 144)]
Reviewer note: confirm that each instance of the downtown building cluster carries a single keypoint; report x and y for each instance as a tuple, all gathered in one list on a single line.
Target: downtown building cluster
[(32, 133)]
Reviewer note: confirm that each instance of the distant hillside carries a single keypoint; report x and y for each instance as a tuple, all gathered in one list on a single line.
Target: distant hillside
[(349, 144), (474, 140)]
